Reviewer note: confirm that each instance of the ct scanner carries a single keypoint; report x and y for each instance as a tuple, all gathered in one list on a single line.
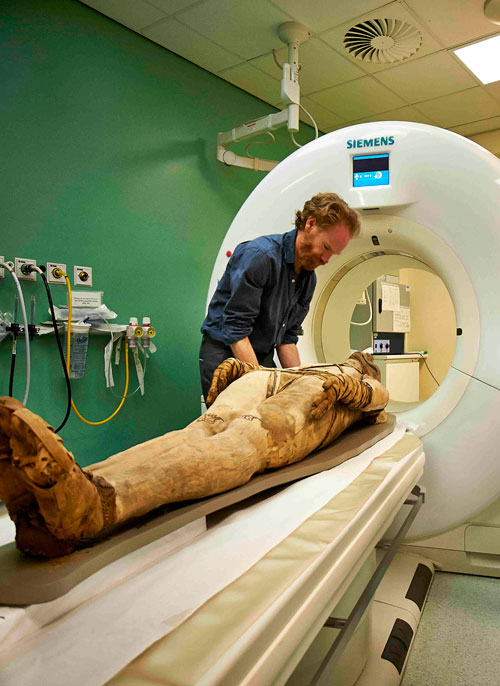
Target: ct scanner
[(439, 211), (245, 603)]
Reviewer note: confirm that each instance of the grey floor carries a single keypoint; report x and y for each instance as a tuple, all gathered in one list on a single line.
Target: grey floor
[(458, 639)]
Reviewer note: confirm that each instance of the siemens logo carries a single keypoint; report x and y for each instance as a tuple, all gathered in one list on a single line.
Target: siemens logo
[(370, 142)]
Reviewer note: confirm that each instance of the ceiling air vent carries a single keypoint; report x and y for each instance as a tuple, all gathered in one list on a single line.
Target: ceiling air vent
[(381, 41)]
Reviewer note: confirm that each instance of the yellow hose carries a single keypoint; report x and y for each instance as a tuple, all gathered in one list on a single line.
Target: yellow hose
[(68, 357)]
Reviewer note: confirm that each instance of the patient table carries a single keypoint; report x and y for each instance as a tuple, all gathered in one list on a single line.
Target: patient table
[(241, 600)]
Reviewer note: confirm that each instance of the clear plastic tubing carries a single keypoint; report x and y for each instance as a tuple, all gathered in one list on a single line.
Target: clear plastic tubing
[(26, 331)]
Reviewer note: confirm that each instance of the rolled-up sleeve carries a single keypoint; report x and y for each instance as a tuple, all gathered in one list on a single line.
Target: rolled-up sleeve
[(249, 276)]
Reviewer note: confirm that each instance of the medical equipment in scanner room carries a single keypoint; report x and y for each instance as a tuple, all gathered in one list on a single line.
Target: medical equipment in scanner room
[(83, 313), (419, 190), (382, 329), (391, 315)]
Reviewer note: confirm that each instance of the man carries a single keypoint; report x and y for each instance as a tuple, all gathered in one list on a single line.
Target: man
[(264, 294)]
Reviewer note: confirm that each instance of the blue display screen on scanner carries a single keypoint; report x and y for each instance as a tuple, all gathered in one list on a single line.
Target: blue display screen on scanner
[(370, 170)]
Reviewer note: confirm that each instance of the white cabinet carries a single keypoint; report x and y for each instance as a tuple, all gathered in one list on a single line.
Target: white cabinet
[(400, 375)]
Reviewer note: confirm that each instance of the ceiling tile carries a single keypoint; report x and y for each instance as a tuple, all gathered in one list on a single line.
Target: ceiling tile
[(135, 14), (453, 22), (248, 29), (394, 10), (358, 98), (329, 129), (182, 40), (267, 64), (491, 124), (170, 7), (460, 108), (493, 89), (324, 14), (401, 114), (322, 116), (429, 77), (490, 140), (253, 81), (321, 66)]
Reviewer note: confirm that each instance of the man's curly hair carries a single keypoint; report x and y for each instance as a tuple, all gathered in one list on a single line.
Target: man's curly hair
[(329, 209)]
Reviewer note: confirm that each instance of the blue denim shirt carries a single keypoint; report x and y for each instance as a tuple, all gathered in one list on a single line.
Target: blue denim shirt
[(260, 295)]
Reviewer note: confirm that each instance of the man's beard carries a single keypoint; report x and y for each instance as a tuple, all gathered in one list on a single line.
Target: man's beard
[(310, 262), (307, 260)]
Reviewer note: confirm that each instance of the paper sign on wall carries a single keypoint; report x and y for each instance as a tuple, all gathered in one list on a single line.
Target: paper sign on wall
[(401, 320), (390, 296)]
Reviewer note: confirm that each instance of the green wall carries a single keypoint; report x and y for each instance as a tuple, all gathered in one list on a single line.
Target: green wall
[(108, 156)]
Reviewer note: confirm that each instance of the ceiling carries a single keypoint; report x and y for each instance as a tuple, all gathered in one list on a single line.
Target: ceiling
[(235, 40)]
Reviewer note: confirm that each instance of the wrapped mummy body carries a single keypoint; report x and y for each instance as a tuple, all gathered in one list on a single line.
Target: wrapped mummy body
[(258, 419)]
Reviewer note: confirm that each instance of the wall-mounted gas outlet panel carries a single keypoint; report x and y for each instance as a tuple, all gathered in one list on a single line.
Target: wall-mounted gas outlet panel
[(19, 262), (82, 276), (51, 266)]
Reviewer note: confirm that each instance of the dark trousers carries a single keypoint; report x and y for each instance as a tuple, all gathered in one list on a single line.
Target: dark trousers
[(212, 353)]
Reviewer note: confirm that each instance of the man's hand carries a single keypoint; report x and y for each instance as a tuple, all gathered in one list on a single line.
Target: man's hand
[(227, 372)]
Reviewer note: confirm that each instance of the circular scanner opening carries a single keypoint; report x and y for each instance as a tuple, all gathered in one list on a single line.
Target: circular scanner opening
[(406, 317)]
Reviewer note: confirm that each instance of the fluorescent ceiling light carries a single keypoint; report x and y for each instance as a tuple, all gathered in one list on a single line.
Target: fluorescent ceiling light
[(483, 59)]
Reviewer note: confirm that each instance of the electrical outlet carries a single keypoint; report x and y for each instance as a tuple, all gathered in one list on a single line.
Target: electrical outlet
[(82, 276), (2, 275), (19, 262), (51, 266)]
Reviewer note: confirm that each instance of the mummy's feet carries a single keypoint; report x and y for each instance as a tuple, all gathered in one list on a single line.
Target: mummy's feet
[(62, 504), (13, 492)]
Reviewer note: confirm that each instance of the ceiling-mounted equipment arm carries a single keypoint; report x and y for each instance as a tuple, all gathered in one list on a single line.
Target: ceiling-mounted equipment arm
[(293, 34), (269, 122)]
